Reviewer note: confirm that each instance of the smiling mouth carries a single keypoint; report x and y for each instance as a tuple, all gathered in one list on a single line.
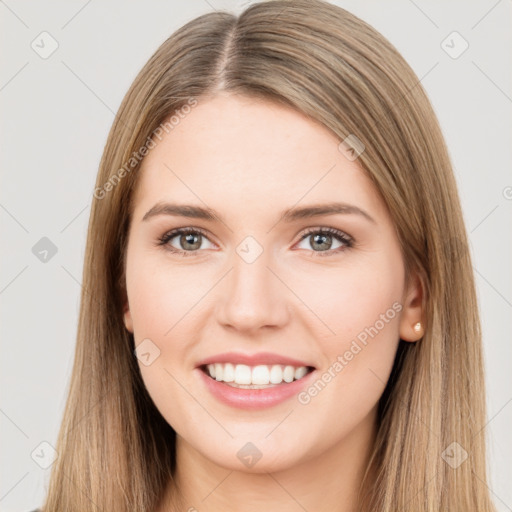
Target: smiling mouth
[(255, 377)]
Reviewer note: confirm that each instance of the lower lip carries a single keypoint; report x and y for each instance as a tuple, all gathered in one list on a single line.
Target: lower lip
[(254, 398)]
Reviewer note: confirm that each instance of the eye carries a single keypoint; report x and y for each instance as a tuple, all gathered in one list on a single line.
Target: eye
[(321, 241), (188, 240)]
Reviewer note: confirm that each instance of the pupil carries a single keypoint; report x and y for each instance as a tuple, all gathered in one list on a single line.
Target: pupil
[(324, 238), (189, 240)]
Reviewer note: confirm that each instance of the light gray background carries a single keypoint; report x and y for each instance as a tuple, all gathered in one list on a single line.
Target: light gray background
[(55, 116)]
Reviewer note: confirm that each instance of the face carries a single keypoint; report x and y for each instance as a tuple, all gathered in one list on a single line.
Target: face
[(237, 271)]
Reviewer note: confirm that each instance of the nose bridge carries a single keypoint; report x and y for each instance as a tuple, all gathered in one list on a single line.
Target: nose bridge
[(254, 297)]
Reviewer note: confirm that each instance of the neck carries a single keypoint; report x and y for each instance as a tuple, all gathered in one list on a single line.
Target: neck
[(330, 481)]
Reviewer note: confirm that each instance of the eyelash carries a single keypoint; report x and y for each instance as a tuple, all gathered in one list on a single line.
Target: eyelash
[(339, 235)]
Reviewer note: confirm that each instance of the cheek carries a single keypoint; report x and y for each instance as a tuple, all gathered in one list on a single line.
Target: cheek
[(359, 307), (354, 295), (165, 308), (162, 299), (162, 296)]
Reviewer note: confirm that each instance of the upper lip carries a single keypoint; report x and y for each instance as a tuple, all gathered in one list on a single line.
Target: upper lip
[(259, 358)]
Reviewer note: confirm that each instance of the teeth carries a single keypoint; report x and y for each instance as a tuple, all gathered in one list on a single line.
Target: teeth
[(260, 375), (276, 374), (229, 373), (289, 373), (300, 372), (242, 374)]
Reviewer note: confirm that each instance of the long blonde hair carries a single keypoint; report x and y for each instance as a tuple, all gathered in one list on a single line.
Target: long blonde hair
[(116, 452)]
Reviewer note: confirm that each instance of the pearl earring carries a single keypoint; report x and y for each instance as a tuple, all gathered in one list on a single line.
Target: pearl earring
[(417, 327)]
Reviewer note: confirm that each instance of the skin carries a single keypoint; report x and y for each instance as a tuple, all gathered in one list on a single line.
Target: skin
[(250, 159)]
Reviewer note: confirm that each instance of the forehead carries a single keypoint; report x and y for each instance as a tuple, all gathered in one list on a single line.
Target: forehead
[(236, 153)]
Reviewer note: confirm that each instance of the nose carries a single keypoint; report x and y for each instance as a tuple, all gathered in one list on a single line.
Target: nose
[(253, 297)]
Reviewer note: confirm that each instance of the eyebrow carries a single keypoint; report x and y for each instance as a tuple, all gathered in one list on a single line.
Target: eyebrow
[(288, 215)]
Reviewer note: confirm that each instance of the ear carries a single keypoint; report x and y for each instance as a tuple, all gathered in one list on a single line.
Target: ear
[(127, 317), (412, 312)]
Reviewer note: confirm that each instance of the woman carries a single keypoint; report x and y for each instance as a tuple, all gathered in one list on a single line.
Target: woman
[(279, 308)]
